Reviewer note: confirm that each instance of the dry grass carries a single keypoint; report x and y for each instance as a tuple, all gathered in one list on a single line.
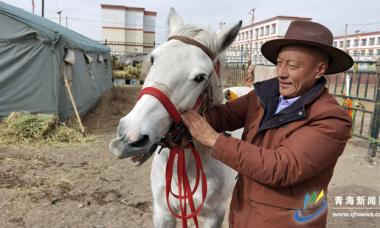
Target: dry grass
[(30, 129)]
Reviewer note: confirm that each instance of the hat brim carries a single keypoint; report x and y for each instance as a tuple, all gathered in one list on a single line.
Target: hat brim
[(339, 60)]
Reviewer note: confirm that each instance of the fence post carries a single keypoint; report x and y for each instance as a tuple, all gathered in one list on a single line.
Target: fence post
[(375, 121)]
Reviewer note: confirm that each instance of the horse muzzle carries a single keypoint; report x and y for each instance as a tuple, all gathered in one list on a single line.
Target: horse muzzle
[(122, 148)]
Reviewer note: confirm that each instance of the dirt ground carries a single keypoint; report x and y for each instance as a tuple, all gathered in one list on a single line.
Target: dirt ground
[(85, 186)]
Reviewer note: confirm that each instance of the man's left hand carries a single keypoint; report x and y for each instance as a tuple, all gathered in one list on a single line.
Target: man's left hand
[(199, 128)]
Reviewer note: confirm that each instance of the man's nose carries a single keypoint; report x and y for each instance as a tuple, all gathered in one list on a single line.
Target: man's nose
[(282, 70)]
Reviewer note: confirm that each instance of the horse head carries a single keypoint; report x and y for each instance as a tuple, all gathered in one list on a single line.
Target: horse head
[(182, 72)]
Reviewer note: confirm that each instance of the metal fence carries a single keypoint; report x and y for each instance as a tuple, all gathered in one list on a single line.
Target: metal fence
[(121, 48), (234, 74), (359, 93)]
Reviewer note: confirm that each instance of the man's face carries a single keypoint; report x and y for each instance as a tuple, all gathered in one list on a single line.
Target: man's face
[(298, 68)]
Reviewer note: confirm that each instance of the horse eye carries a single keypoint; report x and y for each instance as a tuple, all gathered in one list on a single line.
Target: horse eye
[(151, 59), (199, 78)]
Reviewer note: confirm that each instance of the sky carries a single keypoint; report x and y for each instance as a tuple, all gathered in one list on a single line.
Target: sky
[(84, 16)]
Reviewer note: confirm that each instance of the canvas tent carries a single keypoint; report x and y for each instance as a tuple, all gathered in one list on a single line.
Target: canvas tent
[(36, 54)]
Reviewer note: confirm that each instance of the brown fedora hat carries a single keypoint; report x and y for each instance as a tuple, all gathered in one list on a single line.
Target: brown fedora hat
[(309, 34)]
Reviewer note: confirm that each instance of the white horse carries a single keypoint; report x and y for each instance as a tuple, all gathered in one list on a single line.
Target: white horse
[(181, 71)]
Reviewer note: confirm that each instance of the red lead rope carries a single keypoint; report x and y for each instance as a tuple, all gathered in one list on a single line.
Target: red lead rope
[(185, 193)]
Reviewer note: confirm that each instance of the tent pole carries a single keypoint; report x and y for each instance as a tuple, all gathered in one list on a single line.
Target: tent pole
[(67, 85)]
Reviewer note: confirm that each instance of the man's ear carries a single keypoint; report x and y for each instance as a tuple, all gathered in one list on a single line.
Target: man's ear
[(226, 36), (321, 69), (175, 22)]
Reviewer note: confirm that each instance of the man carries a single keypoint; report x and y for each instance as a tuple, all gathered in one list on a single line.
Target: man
[(294, 132), (250, 78)]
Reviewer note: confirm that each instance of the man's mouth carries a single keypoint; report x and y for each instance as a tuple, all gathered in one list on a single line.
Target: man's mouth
[(285, 84)]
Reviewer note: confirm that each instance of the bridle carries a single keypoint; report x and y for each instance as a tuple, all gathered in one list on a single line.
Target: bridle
[(173, 140)]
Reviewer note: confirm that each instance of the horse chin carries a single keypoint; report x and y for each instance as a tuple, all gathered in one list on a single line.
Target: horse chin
[(122, 150)]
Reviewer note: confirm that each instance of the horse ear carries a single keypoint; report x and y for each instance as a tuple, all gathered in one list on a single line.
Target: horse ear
[(226, 36), (174, 22)]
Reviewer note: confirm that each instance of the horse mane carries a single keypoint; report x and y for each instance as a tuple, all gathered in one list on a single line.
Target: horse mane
[(202, 35), (208, 39)]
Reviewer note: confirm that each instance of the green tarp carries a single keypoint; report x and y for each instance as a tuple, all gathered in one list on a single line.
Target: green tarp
[(32, 53)]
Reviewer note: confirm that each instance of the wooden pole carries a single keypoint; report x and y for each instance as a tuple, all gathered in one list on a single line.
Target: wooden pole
[(73, 102)]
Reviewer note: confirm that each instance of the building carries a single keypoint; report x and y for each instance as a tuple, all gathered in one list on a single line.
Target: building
[(128, 29), (250, 38), (363, 47)]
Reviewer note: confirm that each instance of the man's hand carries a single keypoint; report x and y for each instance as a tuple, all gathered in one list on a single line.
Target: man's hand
[(199, 128)]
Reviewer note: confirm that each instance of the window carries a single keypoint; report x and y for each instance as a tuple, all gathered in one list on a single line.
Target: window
[(378, 40), (341, 44), (355, 53), (348, 43), (372, 41), (362, 52), (370, 52), (267, 30), (257, 33), (262, 31), (335, 43), (378, 52), (356, 43), (364, 42), (273, 30), (250, 34)]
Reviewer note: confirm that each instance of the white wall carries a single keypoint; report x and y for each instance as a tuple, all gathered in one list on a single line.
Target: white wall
[(282, 27), (149, 23), (113, 18), (134, 19)]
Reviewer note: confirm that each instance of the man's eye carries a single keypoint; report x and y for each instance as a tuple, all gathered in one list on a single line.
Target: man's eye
[(199, 78)]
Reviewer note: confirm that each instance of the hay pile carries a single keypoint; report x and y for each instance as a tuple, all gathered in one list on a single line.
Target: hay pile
[(28, 128)]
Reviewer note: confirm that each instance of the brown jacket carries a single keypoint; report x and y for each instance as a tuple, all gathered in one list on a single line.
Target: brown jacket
[(281, 157)]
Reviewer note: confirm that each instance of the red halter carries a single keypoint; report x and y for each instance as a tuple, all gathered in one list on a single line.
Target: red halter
[(185, 192)]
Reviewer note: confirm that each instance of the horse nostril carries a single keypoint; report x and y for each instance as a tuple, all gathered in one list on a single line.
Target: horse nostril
[(120, 131), (140, 142)]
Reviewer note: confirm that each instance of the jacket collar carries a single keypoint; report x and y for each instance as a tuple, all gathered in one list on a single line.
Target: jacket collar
[(270, 88), (268, 93)]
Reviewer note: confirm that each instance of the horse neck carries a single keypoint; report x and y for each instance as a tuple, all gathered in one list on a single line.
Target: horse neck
[(204, 153)]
